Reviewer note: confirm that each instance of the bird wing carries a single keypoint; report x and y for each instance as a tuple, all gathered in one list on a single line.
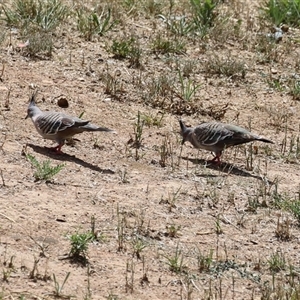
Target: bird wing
[(210, 134), (50, 123)]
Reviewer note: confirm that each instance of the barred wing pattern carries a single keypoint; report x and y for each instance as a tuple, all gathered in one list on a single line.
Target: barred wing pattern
[(50, 123), (210, 134)]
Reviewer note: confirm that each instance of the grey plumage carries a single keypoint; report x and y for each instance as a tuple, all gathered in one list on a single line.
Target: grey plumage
[(58, 126), (215, 137)]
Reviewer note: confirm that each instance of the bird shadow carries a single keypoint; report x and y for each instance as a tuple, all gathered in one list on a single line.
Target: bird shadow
[(223, 167), (67, 157)]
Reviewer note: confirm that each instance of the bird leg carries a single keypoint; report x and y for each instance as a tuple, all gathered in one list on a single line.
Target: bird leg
[(216, 159), (56, 149)]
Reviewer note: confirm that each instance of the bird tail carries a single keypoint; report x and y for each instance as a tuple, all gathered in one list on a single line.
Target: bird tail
[(105, 129), (264, 140), (92, 127)]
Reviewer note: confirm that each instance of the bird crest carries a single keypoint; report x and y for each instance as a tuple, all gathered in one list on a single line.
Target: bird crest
[(32, 98)]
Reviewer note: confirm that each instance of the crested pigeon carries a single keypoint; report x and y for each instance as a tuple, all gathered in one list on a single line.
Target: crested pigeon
[(215, 137), (58, 126)]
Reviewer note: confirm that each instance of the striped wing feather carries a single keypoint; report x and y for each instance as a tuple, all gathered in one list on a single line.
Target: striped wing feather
[(51, 123), (210, 134)]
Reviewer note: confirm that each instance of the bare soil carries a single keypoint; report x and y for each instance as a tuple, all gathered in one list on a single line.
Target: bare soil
[(184, 209)]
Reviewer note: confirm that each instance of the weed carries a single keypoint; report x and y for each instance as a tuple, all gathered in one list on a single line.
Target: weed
[(152, 7), (40, 45), (91, 24), (204, 15), (46, 15), (57, 287), (172, 230), (228, 66), (295, 89), (175, 262), (294, 208), (79, 245), (127, 48), (204, 261), (187, 88), (138, 133), (277, 261), (282, 11), (138, 246), (283, 230), (112, 84), (43, 171), (218, 226), (124, 176), (180, 26), (161, 45), (165, 152), (172, 198), (153, 120)]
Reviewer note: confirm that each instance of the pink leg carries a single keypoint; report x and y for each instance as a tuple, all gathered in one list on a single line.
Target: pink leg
[(216, 159), (57, 149)]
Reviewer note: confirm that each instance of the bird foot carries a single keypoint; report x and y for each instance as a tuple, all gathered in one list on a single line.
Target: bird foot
[(56, 149), (216, 160)]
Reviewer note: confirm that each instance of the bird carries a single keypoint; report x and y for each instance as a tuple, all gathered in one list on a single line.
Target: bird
[(216, 136), (58, 126)]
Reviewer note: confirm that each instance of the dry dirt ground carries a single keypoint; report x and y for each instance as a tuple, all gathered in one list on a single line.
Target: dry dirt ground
[(176, 214)]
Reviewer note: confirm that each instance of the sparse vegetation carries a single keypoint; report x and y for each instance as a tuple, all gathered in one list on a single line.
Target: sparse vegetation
[(155, 217), (79, 245), (44, 171)]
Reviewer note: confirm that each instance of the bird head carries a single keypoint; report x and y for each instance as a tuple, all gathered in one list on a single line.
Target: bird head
[(185, 132), (32, 108)]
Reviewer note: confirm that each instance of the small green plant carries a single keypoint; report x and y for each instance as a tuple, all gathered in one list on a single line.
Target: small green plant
[(165, 151), (124, 176), (57, 287), (91, 24), (161, 45), (282, 11), (283, 230), (295, 89), (40, 44), (153, 120), (138, 133), (179, 26), (294, 208), (204, 15), (43, 170), (113, 86), (79, 245), (204, 261), (138, 246), (175, 262), (218, 226), (45, 14), (127, 48), (228, 66), (277, 261), (187, 88), (172, 230)]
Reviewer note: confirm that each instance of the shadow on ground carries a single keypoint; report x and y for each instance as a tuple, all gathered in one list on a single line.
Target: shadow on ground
[(223, 167), (66, 157)]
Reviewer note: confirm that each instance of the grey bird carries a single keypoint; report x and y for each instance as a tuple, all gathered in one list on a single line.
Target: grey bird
[(58, 126), (215, 137)]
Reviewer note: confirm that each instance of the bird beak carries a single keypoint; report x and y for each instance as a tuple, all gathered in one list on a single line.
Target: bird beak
[(26, 116), (182, 142)]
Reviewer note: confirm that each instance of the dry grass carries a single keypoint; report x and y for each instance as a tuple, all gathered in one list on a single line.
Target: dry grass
[(137, 215)]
